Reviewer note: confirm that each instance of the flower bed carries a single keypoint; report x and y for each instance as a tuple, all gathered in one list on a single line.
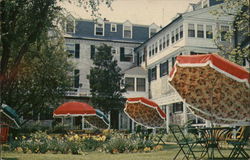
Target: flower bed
[(108, 141)]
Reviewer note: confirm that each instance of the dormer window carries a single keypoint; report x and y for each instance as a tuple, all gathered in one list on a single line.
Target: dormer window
[(152, 31), (113, 27), (127, 31), (205, 4), (70, 26), (99, 29)]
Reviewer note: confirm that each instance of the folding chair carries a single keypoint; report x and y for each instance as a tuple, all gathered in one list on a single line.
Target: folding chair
[(186, 146), (238, 145), (159, 137)]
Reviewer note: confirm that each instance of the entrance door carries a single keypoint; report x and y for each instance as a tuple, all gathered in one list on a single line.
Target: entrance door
[(114, 118)]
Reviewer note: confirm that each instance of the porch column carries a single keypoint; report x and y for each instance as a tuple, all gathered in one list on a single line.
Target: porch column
[(109, 120), (82, 122), (133, 126), (185, 118), (63, 121), (119, 120), (167, 118), (71, 122)]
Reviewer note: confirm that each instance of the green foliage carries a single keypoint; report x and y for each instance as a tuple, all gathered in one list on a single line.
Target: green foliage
[(240, 33), (34, 66), (104, 79), (117, 144), (90, 144)]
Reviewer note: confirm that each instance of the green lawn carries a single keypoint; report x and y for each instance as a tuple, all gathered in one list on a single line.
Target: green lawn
[(167, 154)]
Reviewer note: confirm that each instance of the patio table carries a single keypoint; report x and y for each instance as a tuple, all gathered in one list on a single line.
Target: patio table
[(213, 135)]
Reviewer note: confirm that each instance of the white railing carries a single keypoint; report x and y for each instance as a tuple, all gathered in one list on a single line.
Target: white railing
[(79, 92)]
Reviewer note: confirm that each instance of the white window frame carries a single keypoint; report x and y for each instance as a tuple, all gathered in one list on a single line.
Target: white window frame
[(205, 26), (229, 28), (194, 25), (131, 29), (150, 31), (114, 50), (103, 29), (203, 30), (111, 26), (74, 25)]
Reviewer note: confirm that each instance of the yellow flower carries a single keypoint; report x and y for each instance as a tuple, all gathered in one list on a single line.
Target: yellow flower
[(15, 138), (23, 137), (147, 149)]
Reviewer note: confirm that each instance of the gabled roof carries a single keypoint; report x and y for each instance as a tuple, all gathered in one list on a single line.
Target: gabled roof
[(136, 71)]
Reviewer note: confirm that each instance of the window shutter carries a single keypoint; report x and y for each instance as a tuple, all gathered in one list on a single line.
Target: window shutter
[(161, 70), (167, 67), (122, 52), (92, 51), (77, 50), (77, 78), (149, 75)]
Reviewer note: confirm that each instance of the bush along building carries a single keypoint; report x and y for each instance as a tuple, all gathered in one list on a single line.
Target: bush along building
[(82, 37)]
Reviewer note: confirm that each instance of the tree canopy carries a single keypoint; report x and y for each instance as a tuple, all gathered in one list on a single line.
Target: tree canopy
[(33, 65), (105, 81), (240, 33)]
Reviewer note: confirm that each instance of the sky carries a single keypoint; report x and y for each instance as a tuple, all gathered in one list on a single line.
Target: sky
[(144, 12)]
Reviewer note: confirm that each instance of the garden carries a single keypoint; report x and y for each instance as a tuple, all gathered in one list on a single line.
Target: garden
[(60, 143)]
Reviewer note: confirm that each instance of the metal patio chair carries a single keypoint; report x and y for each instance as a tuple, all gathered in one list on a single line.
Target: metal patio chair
[(187, 147), (239, 143)]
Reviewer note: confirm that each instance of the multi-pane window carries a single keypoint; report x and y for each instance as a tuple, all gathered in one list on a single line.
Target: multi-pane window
[(181, 31), (156, 47), (209, 31), (164, 68), (178, 107), (172, 37), (140, 84), (164, 42), (127, 31), (99, 29), (200, 31), (168, 40), (160, 44), (152, 32), (130, 84), (76, 78), (113, 27), (177, 34), (73, 50), (191, 30), (70, 26), (224, 30), (153, 73), (126, 54)]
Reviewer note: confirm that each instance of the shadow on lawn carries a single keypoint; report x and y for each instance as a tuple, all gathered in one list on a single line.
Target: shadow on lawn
[(10, 159)]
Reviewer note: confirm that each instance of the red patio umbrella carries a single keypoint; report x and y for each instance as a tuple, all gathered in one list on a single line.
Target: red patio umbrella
[(215, 88), (94, 117), (145, 112)]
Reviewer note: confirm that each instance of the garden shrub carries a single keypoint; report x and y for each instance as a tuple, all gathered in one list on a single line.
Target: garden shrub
[(117, 144), (90, 144)]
